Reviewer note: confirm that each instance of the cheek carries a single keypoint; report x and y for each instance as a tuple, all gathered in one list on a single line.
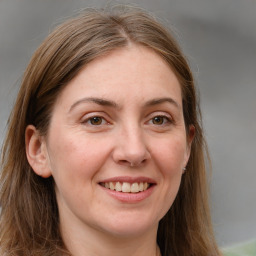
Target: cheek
[(75, 161), (169, 158), (170, 155), (74, 156)]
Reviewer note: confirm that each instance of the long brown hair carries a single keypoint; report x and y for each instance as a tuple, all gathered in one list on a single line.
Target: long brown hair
[(29, 222)]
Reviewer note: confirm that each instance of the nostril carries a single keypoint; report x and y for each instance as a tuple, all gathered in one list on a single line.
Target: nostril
[(124, 162), (132, 163)]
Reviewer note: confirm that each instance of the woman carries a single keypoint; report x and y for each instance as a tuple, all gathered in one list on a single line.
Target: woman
[(105, 153)]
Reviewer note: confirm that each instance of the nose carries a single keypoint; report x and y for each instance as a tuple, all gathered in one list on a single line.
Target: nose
[(131, 148)]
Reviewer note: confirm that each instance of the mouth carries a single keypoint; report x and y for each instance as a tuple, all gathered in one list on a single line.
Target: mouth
[(127, 187)]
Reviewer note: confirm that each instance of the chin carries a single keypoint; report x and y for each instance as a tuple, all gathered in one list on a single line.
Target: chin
[(130, 232), (131, 227)]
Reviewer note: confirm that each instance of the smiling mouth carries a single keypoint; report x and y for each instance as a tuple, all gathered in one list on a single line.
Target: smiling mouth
[(126, 187)]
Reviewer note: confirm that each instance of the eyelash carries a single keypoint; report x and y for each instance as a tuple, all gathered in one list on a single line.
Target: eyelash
[(88, 121), (164, 120)]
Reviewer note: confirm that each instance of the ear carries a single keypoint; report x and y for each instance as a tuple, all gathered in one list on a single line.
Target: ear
[(36, 152), (190, 137)]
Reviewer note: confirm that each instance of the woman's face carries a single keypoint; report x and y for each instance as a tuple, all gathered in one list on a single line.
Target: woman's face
[(117, 144)]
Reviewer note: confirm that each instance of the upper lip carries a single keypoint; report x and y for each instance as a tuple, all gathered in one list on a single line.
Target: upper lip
[(129, 179)]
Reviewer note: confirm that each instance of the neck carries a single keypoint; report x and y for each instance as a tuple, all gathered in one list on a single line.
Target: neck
[(90, 242)]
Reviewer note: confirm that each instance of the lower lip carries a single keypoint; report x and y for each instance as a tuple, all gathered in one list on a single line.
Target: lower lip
[(130, 197)]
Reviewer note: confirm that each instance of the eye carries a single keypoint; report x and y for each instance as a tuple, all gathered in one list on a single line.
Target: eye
[(95, 121), (160, 120)]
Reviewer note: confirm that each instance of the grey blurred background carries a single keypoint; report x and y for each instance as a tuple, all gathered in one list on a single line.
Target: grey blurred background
[(219, 39)]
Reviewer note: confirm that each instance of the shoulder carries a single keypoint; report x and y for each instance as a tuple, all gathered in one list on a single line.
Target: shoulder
[(244, 249)]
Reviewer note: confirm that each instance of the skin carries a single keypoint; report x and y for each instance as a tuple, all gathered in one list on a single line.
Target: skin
[(133, 135)]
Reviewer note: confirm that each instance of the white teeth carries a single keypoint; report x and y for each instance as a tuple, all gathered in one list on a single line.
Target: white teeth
[(118, 186), (145, 186), (135, 188), (111, 185), (127, 187), (141, 187)]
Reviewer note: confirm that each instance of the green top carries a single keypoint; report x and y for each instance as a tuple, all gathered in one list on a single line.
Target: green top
[(244, 249)]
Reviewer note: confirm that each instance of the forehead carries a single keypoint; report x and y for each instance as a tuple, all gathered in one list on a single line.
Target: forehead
[(132, 71)]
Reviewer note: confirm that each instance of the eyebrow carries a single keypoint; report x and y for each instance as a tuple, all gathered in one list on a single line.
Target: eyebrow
[(110, 103), (99, 101), (162, 100)]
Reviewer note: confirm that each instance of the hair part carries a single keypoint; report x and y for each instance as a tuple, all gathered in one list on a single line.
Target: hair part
[(29, 221)]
